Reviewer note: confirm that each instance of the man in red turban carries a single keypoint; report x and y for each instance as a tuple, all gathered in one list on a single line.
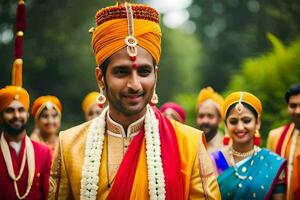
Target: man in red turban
[(173, 111)]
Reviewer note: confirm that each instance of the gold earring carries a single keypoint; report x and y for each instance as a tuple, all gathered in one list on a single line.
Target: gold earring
[(257, 138), (101, 99), (154, 99)]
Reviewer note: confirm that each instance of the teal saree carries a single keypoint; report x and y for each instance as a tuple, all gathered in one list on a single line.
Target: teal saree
[(259, 175)]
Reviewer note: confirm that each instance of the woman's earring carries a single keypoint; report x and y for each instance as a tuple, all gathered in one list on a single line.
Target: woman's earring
[(257, 138), (226, 139)]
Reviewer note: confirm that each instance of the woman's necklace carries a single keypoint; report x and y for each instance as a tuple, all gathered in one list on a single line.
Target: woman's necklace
[(244, 169), (242, 154)]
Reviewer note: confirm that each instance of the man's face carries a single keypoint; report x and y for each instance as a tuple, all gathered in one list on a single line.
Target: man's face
[(294, 108), (208, 119), (129, 88), (14, 118)]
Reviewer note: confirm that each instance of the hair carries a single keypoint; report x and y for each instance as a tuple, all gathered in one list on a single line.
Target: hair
[(104, 66), (253, 111), (292, 91)]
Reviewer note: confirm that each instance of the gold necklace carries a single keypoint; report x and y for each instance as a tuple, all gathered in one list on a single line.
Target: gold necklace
[(242, 154), (28, 155), (254, 151)]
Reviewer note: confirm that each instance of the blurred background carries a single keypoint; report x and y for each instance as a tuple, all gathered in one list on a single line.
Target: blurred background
[(230, 45)]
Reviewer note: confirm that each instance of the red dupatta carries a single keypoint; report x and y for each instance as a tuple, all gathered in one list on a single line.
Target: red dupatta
[(171, 162), (281, 140)]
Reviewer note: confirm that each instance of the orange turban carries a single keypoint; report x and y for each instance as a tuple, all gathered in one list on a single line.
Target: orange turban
[(89, 100), (10, 93), (43, 101), (112, 29), (245, 97), (209, 94)]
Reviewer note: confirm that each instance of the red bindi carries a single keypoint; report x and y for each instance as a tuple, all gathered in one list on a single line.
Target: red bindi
[(135, 65)]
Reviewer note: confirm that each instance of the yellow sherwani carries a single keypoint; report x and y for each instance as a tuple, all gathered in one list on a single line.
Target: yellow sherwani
[(293, 160), (69, 158)]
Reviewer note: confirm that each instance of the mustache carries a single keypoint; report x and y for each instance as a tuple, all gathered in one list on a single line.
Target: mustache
[(133, 93), (205, 126), (16, 119)]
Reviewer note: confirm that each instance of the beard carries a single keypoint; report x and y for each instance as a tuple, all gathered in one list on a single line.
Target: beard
[(13, 131), (296, 119), (209, 130), (127, 108)]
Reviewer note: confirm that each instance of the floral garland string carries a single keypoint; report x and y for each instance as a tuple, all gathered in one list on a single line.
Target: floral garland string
[(93, 152)]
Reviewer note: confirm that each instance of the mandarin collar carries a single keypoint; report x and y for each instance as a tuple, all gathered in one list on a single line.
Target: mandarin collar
[(117, 130)]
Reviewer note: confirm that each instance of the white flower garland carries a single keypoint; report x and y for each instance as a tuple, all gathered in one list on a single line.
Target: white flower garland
[(156, 176), (93, 151)]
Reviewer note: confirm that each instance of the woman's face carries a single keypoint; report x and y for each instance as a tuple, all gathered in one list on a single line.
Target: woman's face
[(242, 126), (94, 112), (49, 121)]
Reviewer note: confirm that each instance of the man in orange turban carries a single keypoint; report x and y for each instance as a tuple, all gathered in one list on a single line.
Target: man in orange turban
[(17, 148), (90, 106), (208, 117), (46, 111), (131, 151), (24, 164)]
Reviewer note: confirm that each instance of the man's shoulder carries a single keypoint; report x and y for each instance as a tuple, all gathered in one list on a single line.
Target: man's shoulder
[(185, 130), (74, 139), (187, 135), (75, 132), (277, 131)]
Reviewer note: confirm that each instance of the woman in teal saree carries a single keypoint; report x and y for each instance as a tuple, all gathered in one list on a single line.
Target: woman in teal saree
[(246, 171)]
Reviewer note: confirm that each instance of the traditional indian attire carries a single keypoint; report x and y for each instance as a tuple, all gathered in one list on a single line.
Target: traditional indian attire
[(41, 154), (208, 94), (285, 141), (156, 158), (124, 162), (40, 185), (263, 175), (260, 174), (42, 102)]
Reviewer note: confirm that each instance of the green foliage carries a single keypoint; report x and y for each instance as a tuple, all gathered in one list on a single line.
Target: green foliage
[(179, 65), (268, 76), (233, 30), (188, 102)]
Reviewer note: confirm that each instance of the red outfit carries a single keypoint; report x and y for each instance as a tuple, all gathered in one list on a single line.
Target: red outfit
[(40, 185)]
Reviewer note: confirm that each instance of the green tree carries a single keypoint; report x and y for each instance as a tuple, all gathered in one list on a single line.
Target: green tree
[(234, 30)]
